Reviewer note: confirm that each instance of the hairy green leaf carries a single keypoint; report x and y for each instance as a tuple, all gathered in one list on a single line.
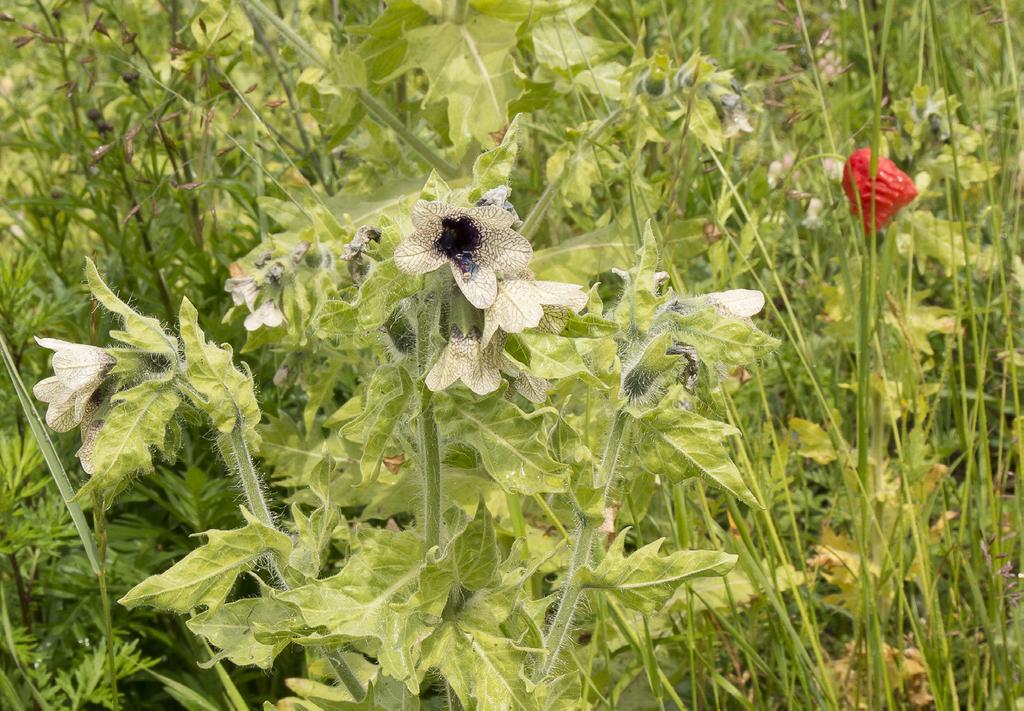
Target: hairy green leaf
[(142, 332), (644, 580), (722, 339), (136, 424), (386, 398), (678, 444), (226, 393), (230, 628), (494, 167), (481, 667), (206, 575), (511, 443), (470, 65), (475, 551), (635, 312), (387, 593)]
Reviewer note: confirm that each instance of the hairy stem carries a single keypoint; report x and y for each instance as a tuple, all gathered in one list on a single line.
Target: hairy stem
[(235, 451), (426, 430), (561, 623), (345, 674), (426, 426)]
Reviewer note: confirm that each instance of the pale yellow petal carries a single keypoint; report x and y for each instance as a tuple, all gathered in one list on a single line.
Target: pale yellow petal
[(556, 293), (741, 303), (517, 306), (479, 285)]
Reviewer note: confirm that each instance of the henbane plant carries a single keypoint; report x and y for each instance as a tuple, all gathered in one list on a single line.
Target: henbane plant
[(479, 390)]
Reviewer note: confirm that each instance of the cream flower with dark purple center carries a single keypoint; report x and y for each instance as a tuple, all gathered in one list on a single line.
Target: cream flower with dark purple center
[(78, 370), (475, 242), (465, 359)]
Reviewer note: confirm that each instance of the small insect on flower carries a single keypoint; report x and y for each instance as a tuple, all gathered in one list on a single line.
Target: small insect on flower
[(891, 187), (78, 370), (475, 242)]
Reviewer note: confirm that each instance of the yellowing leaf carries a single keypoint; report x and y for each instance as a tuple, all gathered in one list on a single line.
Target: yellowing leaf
[(206, 575), (814, 442), (136, 425), (230, 628), (227, 394), (644, 580), (678, 444), (510, 442), (140, 332), (469, 65)]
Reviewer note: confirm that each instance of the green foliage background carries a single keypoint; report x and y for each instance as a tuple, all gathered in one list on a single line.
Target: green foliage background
[(167, 141)]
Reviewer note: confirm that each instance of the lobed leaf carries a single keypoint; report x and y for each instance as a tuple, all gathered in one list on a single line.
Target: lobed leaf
[(510, 442), (227, 394), (385, 401), (644, 580), (136, 425), (678, 444), (142, 332), (206, 575)]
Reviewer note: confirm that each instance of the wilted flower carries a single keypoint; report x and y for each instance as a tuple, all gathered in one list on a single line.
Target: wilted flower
[(519, 304), (78, 371), (465, 359), (499, 197), (355, 248), (735, 117), (475, 242), (243, 290), (892, 188), (812, 218), (92, 423), (268, 314), (246, 289), (690, 371), (300, 250), (529, 386)]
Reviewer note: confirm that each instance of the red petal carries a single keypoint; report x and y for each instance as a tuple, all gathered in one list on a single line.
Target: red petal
[(893, 189)]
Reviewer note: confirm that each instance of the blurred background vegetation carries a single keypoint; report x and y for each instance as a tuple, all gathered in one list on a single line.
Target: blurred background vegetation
[(169, 139)]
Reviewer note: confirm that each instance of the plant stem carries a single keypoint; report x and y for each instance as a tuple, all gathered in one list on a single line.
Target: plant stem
[(457, 11), (532, 221), (426, 426), (99, 519), (426, 429), (345, 674), (561, 623), (235, 451), (376, 110)]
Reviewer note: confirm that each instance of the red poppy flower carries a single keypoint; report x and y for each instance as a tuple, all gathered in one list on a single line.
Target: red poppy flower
[(893, 188)]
